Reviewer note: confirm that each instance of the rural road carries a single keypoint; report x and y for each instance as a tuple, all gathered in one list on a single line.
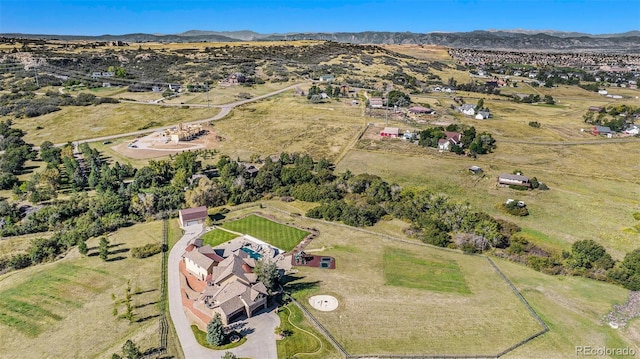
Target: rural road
[(224, 110), (261, 341)]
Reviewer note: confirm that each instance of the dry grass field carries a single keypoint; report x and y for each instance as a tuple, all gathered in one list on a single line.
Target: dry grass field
[(76, 123), (219, 95), (289, 123), (42, 307)]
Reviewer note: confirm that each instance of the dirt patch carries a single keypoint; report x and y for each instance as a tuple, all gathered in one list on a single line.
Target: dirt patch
[(155, 145), (324, 303)]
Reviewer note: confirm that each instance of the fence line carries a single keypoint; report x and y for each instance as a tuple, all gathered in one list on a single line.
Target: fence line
[(321, 328), (346, 355), (163, 329)]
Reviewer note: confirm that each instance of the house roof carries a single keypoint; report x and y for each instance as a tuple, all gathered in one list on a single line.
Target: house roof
[(420, 109), (190, 214), (454, 137), (391, 130), (199, 259), (602, 129), (510, 176), (375, 101), (232, 266)]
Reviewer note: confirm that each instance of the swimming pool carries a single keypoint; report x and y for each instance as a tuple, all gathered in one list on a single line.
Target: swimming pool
[(253, 254)]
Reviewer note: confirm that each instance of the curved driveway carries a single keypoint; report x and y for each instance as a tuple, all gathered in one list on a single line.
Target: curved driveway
[(224, 110), (261, 341)]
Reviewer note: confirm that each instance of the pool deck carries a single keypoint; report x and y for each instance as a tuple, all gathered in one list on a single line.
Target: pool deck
[(314, 262)]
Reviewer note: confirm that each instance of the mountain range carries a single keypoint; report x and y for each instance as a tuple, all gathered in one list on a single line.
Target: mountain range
[(516, 39)]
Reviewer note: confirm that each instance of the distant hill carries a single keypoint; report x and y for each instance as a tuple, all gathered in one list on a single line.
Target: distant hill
[(516, 39)]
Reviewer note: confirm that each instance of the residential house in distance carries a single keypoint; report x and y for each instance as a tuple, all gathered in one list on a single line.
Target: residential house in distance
[(420, 110), (595, 108), (452, 138), (632, 129), (175, 87), (511, 179), (326, 78), (602, 130), (375, 102), (392, 132), (191, 216), (483, 115), (467, 109)]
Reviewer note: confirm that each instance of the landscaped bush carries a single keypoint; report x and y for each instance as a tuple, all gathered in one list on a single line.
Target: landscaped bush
[(147, 250)]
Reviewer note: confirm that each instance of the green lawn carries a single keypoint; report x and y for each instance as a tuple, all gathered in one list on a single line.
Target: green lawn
[(403, 268), (201, 338), (217, 237), (279, 235), (305, 341)]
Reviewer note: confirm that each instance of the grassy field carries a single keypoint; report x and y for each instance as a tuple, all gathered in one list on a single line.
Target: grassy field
[(305, 342), (217, 237), (573, 307), (415, 320), (403, 268), (42, 307), (76, 123), (279, 235), (289, 123), (571, 190)]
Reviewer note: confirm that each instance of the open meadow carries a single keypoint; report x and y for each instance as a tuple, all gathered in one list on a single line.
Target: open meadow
[(42, 307), (289, 123), (77, 123)]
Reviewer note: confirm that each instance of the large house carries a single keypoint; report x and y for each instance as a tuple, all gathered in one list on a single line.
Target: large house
[(191, 216), (232, 289)]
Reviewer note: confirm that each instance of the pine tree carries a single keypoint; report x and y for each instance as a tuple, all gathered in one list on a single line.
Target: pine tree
[(103, 249), (215, 331)]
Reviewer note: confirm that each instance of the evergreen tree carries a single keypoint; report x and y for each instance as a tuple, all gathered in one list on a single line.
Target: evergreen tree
[(103, 248), (215, 331)]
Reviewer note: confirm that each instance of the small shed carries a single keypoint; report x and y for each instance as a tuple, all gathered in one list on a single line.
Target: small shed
[(392, 132), (511, 179), (475, 170), (191, 216)]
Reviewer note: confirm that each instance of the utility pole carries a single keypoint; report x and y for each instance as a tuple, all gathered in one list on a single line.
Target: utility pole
[(207, 89), (386, 113)]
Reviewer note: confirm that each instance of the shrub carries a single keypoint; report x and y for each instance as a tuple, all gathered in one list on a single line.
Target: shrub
[(534, 124), (147, 250), (518, 187), (513, 209)]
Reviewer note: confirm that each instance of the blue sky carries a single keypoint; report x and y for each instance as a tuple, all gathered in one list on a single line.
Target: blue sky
[(97, 17)]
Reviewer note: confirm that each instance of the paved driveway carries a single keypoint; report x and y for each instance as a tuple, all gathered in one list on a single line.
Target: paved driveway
[(261, 340)]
